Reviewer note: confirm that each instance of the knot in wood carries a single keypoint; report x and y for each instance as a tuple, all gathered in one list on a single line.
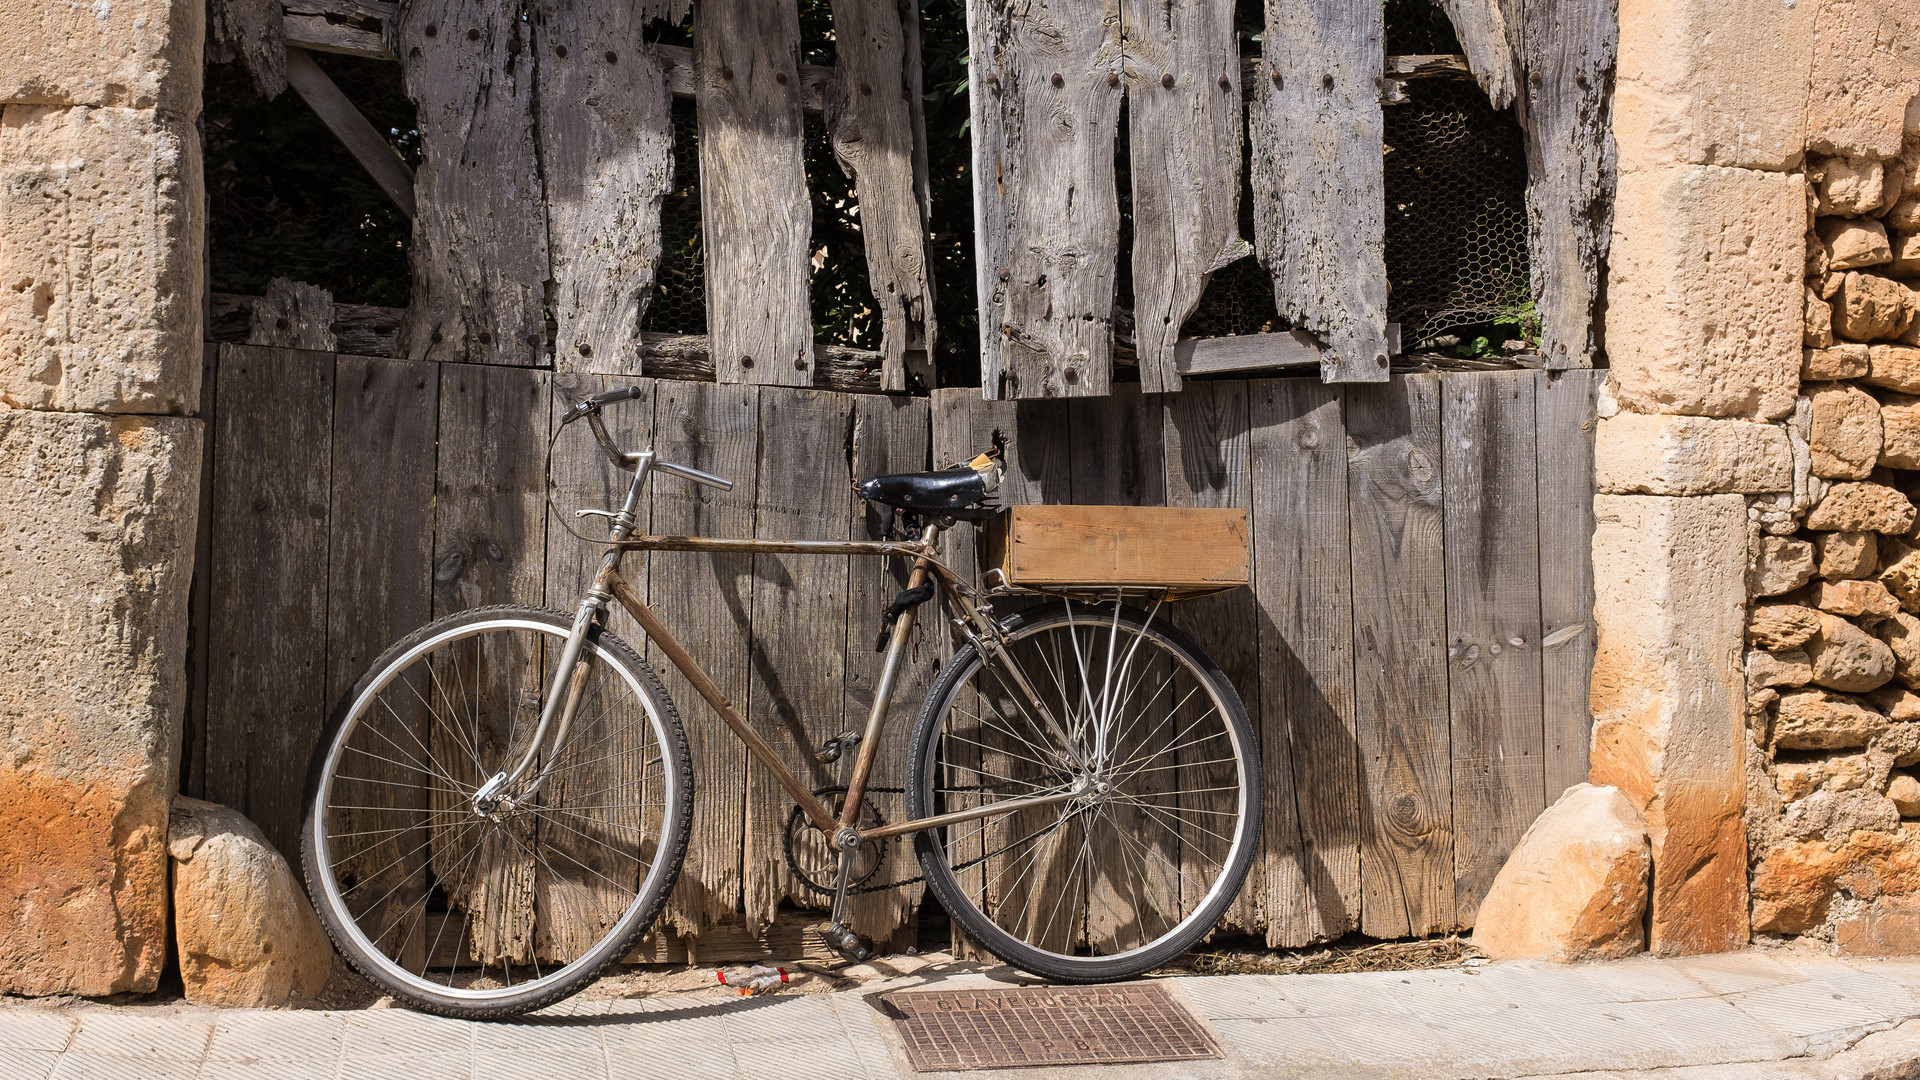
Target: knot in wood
[(1580, 79), (1533, 78), (1058, 82), (282, 323), (1226, 83), (726, 73), (473, 33), (435, 337), (1113, 80), (1167, 80), (865, 89), (1278, 82), (560, 51), (800, 363), (990, 79), (1404, 811), (260, 506)]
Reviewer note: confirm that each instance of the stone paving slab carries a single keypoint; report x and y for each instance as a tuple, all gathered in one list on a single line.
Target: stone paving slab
[(1756, 1015)]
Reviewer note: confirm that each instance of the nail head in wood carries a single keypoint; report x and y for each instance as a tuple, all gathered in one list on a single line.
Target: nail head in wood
[(1167, 80), (431, 30), (780, 77), (800, 363), (473, 33), (486, 337), (726, 73), (612, 57), (585, 349), (746, 361), (1112, 80), (865, 89), (1226, 83), (1058, 82), (1277, 81), (1326, 81), (560, 51)]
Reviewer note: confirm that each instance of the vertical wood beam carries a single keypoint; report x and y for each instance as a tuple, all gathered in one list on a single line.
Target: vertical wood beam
[(755, 215), (606, 152), (1182, 63), (872, 110), (480, 233), (1319, 179)]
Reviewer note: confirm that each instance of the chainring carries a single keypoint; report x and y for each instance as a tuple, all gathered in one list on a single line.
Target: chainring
[(814, 863)]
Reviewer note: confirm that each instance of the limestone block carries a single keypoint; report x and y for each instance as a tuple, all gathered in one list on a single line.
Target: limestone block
[(1903, 251), (141, 54), (1854, 242), (96, 548), (1848, 658), (1888, 926), (1836, 815), (1778, 669), (1863, 75), (101, 253), (1862, 507), (1900, 572), (1669, 702), (1866, 600), (1818, 720), (1900, 431), (1575, 886), (1712, 82), (1706, 299), (1690, 455), (1848, 188), (1845, 437), (1869, 307), (1793, 886), (1904, 792), (1896, 367), (246, 935), (1897, 702), (1816, 330), (1843, 556), (1780, 565), (1904, 215), (1901, 633), (1844, 361), (1780, 627)]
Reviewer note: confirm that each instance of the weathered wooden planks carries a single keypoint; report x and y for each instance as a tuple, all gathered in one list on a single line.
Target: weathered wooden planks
[(267, 690), (703, 599), (1491, 514), (480, 229), (1046, 103), (490, 521), (1301, 583), (606, 153), (754, 210), (1319, 181), (293, 315), (1481, 26), (1182, 63), (1400, 658), (871, 117), (249, 31), (1564, 407)]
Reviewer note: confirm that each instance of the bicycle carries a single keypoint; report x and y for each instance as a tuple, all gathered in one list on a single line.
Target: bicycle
[(498, 809)]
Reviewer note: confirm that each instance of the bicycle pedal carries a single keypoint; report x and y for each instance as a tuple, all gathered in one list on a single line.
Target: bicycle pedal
[(846, 943)]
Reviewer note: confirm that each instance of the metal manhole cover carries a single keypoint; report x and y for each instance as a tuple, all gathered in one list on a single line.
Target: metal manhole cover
[(951, 1030)]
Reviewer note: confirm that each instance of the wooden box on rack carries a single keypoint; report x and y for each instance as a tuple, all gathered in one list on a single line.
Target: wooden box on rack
[(1182, 549)]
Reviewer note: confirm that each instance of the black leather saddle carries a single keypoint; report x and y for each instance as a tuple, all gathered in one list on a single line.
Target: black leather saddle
[(940, 492)]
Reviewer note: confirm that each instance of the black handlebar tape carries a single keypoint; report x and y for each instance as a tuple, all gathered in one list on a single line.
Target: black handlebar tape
[(601, 401)]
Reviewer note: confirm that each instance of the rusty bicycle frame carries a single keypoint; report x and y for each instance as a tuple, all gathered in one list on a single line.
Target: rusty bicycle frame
[(842, 831)]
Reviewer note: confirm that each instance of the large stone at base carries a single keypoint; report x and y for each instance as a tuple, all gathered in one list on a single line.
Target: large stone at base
[(1575, 886), (1669, 702), (1705, 291), (96, 547), (246, 935)]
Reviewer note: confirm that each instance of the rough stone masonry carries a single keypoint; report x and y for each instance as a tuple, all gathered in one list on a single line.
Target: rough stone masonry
[(101, 255), (1757, 557)]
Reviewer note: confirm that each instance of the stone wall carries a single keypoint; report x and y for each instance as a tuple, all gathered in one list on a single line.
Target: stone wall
[(1754, 463), (101, 264)]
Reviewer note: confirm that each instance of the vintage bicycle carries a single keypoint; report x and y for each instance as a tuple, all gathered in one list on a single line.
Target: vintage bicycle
[(498, 809)]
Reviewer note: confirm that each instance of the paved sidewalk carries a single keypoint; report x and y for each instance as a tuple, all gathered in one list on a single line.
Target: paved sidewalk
[(1756, 1015)]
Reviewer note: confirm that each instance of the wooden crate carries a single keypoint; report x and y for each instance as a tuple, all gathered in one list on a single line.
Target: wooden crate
[(1068, 547)]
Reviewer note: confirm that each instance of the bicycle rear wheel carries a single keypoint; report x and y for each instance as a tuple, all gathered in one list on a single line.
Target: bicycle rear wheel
[(470, 908), (1156, 749)]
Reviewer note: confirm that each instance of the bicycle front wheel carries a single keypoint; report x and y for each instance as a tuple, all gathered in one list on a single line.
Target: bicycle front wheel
[(1124, 715), (472, 906)]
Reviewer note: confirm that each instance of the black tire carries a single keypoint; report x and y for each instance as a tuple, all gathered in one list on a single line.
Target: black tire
[(611, 941), (1076, 954)]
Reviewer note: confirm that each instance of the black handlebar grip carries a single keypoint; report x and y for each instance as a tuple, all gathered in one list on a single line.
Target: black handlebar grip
[(601, 401)]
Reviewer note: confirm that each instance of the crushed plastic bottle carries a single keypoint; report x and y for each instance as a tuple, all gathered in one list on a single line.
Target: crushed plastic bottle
[(758, 979)]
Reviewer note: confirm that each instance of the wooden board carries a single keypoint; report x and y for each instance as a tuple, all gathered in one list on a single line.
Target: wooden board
[(249, 31), (1046, 96), (1207, 464), (872, 121), (1481, 26), (480, 229), (1490, 509), (1319, 179), (193, 737), (1564, 408), (1302, 584), (369, 148), (755, 215), (267, 694), (1118, 546), (293, 315), (1400, 657), (796, 689), (490, 529), (1184, 133), (606, 154), (702, 598)]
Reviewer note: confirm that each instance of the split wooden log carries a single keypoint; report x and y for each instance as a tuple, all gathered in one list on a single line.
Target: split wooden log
[(606, 151), (1319, 181), (755, 213), (480, 235), (1482, 29), (1183, 115), (870, 115), (348, 27), (249, 31), (294, 315)]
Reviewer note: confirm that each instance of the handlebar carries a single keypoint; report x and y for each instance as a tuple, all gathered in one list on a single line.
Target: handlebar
[(590, 410)]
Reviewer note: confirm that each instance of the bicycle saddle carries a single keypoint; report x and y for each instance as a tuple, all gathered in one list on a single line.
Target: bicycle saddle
[(928, 492)]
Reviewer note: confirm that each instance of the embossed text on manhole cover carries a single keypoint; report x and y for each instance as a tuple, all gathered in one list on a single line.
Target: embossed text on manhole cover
[(1007, 1028)]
